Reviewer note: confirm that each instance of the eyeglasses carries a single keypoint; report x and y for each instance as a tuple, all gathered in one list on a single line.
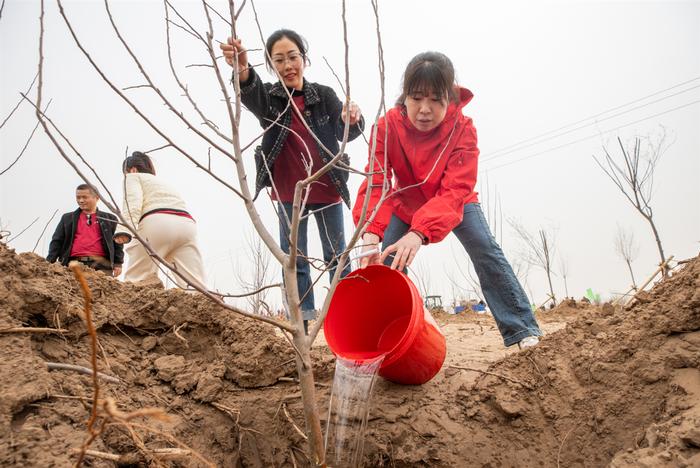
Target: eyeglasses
[(293, 58), (89, 220)]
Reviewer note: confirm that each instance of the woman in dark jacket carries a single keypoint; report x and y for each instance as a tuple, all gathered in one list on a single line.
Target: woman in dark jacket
[(289, 152)]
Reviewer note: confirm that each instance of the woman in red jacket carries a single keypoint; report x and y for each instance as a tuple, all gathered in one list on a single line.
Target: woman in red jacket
[(429, 148)]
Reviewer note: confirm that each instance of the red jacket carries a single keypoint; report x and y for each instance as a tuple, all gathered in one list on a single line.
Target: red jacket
[(446, 155)]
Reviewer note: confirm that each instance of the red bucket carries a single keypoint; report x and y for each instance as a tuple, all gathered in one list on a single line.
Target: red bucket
[(377, 310)]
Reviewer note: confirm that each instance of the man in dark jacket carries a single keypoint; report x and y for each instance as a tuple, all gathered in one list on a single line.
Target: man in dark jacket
[(86, 235)]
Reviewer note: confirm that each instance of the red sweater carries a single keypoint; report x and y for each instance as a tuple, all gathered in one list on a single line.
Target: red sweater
[(87, 241), (446, 155), (289, 166)]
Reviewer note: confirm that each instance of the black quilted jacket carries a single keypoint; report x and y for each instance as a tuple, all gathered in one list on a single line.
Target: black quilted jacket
[(322, 113)]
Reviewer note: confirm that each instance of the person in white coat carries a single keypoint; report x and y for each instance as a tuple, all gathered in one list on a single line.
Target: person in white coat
[(159, 215)]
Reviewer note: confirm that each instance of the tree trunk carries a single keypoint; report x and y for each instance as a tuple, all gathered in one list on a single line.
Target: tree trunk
[(551, 289), (629, 266), (304, 367), (658, 245), (308, 395)]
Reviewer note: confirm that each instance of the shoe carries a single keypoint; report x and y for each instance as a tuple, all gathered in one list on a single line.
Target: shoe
[(528, 342)]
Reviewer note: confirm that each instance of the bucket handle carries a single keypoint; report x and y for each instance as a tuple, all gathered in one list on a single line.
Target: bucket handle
[(366, 254)]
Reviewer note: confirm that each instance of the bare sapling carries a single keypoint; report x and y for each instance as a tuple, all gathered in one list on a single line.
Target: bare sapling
[(224, 138), (539, 251), (564, 272), (421, 274), (465, 279), (627, 249), (634, 177), (258, 276)]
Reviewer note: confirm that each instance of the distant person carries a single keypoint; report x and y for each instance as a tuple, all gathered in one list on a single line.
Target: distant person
[(431, 152), (289, 153), (158, 214), (85, 235)]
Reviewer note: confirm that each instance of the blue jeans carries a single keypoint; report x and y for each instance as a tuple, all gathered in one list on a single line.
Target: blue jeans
[(501, 288), (330, 228)]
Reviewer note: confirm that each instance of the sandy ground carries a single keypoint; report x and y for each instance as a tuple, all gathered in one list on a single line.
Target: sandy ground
[(607, 386)]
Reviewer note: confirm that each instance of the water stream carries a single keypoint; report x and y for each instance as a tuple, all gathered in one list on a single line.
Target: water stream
[(348, 409)]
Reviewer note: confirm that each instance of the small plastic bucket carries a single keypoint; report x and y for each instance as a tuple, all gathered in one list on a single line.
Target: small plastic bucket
[(378, 311)]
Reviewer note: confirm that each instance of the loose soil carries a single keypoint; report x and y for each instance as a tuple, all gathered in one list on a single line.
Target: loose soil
[(607, 386)]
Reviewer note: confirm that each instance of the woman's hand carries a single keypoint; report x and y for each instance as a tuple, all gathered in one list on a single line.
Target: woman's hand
[(230, 49), (370, 242), (353, 111), (405, 250)]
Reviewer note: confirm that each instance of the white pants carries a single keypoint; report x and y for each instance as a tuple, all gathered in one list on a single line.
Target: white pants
[(172, 237)]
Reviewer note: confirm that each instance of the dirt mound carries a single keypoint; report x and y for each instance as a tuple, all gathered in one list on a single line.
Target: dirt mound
[(170, 349), (615, 386), (570, 309)]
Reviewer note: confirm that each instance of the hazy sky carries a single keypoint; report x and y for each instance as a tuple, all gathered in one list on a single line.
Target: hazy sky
[(534, 67)]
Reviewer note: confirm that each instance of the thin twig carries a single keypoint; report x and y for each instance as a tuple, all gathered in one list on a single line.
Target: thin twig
[(176, 441), (291, 421), (24, 148), (167, 145), (504, 377), (252, 293), (70, 397), (218, 14), (180, 337), (240, 8), (26, 92), (33, 330), (234, 413), (337, 78), (546, 380), (183, 87), (301, 356), (43, 118), (181, 27), (162, 96), (363, 221), (87, 297), (22, 231), (104, 356), (562, 445), (137, 457), (135, 107), (161, 261), (44, 230), (81, 370)]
